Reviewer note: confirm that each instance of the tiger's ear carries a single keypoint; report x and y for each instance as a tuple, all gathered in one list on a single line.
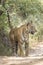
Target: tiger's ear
[(31, 22), (28, 23)]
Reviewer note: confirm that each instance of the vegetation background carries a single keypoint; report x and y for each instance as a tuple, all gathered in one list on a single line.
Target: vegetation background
[(18, 12)]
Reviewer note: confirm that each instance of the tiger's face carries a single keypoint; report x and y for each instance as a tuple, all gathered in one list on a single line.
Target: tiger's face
[(31, 28)]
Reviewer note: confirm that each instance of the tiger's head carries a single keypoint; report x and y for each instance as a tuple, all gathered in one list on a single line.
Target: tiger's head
[(31, 28)]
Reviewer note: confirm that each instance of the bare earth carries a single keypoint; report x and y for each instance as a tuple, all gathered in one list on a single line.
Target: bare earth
[(21, 61), (35, 58)]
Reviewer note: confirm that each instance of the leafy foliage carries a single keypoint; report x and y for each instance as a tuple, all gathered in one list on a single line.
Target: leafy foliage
[(20, 11)]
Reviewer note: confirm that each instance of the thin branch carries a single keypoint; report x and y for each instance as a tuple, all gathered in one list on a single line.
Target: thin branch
[(3, 4)]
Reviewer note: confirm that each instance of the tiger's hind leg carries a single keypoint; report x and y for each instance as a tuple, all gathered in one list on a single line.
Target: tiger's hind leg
[(16, 48)]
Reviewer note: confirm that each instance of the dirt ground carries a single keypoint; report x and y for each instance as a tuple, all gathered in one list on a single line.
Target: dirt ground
[(21, 61), (35, 58)]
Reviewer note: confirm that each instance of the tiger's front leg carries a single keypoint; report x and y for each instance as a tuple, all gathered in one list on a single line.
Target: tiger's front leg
[(21, 49), (26, 48)]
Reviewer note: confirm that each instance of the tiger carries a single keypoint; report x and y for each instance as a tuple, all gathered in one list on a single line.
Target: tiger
[(19, 36)]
